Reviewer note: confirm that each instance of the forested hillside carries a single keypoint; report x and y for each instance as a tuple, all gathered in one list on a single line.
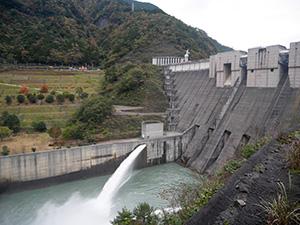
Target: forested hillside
[(98, 32)]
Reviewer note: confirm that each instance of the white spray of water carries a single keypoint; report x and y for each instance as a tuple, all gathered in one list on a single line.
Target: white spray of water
[(78, 211)]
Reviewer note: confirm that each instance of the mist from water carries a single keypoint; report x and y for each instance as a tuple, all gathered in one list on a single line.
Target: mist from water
[(78, 211)]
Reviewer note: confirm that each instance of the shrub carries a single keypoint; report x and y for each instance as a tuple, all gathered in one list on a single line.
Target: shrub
[(55, 132), (66, 94), (144, 214), (49, 98), (20, 98), (40, 96), (124, 217), (75, 131), (28, 95), (32, 99), (24, 89), (39, 126), (8, 99), (5, 150), (79, 91), (53, 91), (84, 95), (60, 98), (44, 88), (250, 149), (71, 97)]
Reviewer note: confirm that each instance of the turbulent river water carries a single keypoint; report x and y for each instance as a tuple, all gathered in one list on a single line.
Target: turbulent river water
[(51, 205)]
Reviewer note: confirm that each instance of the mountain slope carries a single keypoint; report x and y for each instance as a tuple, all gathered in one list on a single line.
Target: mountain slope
[(102, 32)]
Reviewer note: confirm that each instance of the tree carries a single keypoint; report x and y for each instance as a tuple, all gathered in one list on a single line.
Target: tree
[(20, 98), (144, 214), (8, 99), (66, 94), (39, 126), (4, 115), (32, 99), (49, 98), (40, 96), (75, 131), (5, 150), (84, 95), (5, 132), (55, 132), (28, 95), (24, 89), (60, 98), (79, 90), (71, 97), (12, 122), (44, 88), (124, 217), (94, 110)]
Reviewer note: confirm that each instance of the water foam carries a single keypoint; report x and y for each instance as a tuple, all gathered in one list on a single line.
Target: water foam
[(78, 211)]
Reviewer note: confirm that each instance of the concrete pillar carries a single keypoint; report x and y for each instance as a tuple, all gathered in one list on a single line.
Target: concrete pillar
[(294, 65), (263, 67)]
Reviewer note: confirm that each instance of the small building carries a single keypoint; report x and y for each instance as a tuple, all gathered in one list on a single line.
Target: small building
[(166, 60), (152, 129)]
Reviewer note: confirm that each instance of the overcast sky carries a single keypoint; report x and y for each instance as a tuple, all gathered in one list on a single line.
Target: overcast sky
[(240, 24)]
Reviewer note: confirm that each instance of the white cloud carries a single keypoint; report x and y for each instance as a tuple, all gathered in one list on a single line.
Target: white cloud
[(238, 23)]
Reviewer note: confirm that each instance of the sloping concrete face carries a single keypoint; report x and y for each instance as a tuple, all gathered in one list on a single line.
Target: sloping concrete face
[(260, 102)]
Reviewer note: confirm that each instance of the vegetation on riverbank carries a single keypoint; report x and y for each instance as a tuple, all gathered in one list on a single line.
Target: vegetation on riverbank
[(190, 198)]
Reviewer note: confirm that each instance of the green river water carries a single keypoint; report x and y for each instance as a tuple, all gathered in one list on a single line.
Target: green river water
[(51, 205)]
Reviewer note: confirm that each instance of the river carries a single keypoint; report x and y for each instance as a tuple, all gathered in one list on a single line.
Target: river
[(42, 206)]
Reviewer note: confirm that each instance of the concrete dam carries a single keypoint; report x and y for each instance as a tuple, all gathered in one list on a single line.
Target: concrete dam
[(232, 98), (216, 106)]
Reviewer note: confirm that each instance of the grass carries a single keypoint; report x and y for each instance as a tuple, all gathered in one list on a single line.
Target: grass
[(293, 157), (282, 210), (23, 143), (293, 152)]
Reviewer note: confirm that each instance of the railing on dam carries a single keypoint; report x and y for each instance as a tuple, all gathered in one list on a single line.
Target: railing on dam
[(190, 66)]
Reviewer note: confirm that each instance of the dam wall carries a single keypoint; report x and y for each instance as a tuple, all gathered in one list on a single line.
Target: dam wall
[(241, 97), (62, 165)]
